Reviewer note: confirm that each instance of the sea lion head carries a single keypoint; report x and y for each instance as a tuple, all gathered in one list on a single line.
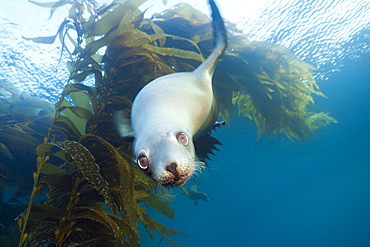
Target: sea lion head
[(166, 155)]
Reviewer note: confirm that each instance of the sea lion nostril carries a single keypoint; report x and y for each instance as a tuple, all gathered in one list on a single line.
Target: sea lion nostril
[(172, 168)]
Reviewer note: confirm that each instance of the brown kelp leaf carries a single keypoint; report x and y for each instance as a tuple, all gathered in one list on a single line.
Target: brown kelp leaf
[(40, 239), (52, 5), (79, 77), (58, 180), (130, 233), (125, 23), (86, 162), (4, 171), (92, 47), (184, 11), (41, 211), (159, 205), (48, 39), (151, 224), (79, 87), (4, 149), (140, 194), (112, 19), (168, 51), (127, 181), (158, 31), (118, 232), (154, 225)]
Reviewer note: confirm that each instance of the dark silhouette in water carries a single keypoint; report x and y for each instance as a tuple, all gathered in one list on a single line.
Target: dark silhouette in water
[(194, 194)]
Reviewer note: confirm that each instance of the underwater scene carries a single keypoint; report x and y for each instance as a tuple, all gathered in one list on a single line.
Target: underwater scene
[(287, 163)]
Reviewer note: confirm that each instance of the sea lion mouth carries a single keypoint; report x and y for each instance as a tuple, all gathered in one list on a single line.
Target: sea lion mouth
[(171, 181), (178, 172), (174, 177)]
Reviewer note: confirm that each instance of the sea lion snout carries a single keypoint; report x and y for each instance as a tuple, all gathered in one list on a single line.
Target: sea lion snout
[(172, 168), (176, 173)]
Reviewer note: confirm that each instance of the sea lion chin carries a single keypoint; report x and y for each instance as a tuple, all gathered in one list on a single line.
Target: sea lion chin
[(175, 176), (172, 111)]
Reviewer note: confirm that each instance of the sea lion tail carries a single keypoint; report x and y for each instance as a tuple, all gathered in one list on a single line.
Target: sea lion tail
[(220, 40)]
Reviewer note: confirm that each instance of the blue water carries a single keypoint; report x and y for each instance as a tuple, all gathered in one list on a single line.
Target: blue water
[(275, 192)]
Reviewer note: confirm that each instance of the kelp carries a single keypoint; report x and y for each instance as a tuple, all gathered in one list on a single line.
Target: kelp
[(20, 133), (96, 195), (96, 188)]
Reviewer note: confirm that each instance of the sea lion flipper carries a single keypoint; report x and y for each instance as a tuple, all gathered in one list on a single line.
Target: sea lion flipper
[(122, 123), (220, 42), (205, 145)]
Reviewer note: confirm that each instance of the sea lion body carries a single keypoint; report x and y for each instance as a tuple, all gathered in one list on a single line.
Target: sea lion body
[(170, 112), (194, 194)]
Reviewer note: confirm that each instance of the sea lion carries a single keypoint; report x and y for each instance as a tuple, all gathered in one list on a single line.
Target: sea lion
[(194, 194), (172, 111)]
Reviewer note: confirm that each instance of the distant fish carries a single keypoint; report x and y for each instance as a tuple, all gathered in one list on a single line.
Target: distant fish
[(4, 149), (194, 194)]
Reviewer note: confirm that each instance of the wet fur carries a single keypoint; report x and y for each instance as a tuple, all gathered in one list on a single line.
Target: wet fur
[(181, 102)]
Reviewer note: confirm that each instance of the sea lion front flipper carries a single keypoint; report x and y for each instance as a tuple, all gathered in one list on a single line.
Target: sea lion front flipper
[(206, 144), (122, 123)]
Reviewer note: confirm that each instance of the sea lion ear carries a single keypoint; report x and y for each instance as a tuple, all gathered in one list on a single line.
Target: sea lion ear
[(122, 123)]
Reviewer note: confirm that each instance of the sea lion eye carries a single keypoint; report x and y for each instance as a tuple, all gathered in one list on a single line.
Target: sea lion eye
[(143, 162), (182, 138)]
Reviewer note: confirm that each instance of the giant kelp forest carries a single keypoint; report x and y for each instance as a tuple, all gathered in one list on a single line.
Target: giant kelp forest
[(81, 185)]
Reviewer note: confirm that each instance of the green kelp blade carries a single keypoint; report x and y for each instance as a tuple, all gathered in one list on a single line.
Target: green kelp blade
[(81, 99), (86, 163), (79, 122), (48, 168), (68, 125), (90, 93), (78, 111)]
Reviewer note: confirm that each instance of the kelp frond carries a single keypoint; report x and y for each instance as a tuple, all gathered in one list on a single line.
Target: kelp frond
[(96, 194)]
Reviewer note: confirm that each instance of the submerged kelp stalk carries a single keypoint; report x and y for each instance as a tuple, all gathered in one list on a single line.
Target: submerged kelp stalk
[(94, 187)]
